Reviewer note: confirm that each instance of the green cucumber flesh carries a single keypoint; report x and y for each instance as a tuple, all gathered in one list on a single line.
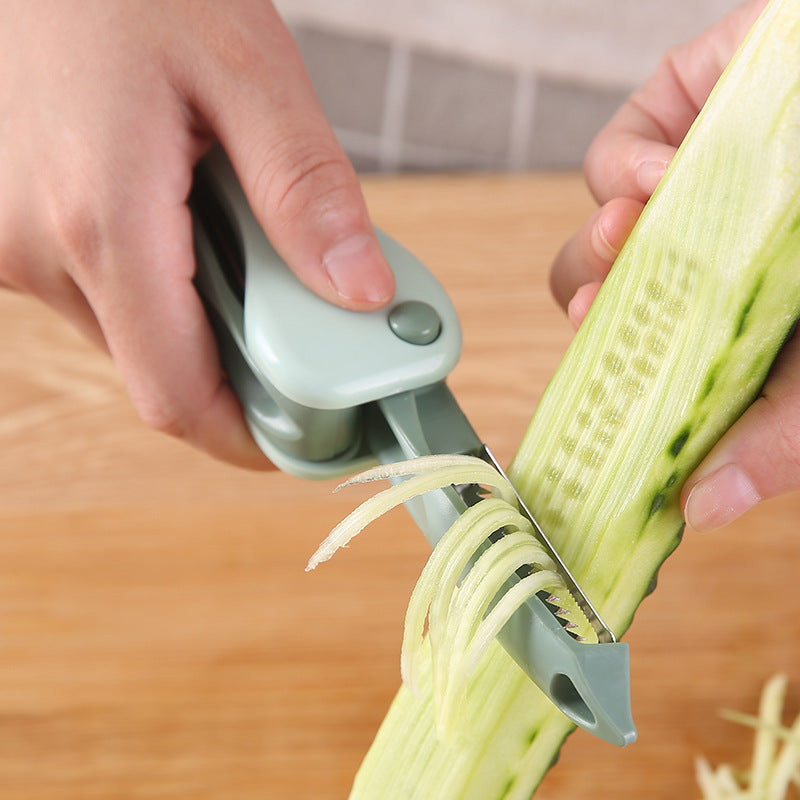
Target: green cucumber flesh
[(674, 349)]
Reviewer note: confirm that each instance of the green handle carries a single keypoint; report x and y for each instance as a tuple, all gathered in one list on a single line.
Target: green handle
[(304, 368)]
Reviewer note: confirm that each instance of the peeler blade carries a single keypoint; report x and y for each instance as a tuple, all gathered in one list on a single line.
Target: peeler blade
[(602, 631), (588, 682)]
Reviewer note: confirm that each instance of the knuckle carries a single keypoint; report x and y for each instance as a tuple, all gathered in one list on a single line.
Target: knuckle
[(77, 231), (161, 415), (179, 413), (784, 413), (232, 42), (670, 59), (306, 181), (668, 70)]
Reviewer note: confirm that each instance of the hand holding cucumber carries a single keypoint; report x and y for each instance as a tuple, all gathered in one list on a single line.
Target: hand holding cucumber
[(758, 457)]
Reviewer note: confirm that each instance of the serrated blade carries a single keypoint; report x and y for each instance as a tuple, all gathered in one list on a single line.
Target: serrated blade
[(559, 606)]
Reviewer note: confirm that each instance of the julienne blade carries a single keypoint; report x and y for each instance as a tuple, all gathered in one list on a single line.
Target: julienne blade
[(676, 346)]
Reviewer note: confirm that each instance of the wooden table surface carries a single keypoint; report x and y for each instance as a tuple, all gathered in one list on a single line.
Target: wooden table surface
[(160, 639)]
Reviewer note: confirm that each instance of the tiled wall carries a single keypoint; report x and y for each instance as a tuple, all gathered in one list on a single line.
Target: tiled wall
[(481, 84), (397, 108)]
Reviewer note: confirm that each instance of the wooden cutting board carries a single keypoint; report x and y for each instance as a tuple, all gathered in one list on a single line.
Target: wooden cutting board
[(160, 639)]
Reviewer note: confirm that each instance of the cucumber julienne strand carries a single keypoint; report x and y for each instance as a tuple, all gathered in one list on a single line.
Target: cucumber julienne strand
[(676, 345), (429, 472), (775, 765), (461, 625)]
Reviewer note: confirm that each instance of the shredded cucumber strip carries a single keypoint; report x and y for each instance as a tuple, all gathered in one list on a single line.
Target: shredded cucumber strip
[(426, 474), (462, 621), (469, 629), (775, 764), (433, 593), (450, 707), (766, 744)]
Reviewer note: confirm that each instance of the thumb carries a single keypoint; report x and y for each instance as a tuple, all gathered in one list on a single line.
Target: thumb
[(301, 186), (758, 458)]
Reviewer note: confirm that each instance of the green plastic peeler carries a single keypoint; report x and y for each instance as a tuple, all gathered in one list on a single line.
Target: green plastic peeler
[(328, 392)]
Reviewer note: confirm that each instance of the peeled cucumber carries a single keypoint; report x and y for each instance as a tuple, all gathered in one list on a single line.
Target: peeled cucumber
[(675, 347)]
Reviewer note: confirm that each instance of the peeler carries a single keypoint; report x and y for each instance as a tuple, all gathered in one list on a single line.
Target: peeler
[(327, 392)]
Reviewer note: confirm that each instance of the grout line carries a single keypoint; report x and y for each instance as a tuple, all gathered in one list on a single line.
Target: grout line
[(519, 132), (394, 107)]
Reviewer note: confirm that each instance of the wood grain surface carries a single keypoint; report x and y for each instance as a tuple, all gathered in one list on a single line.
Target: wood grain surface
[(160, 639)]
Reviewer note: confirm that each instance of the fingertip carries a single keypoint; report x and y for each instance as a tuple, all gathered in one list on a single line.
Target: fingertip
[(240, 449), (220, 430), (209, 421), (589, 255), (650, 162), (612, 227), (316, 218), (719, 498), (578, 307), (603, 239), (626, 161), (358, 272), (649, 173)]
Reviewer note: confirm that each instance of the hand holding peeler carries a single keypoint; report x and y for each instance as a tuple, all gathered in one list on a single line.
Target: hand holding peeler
[(328, 392)]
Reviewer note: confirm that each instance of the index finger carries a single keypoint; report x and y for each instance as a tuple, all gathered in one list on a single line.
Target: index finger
[(630, 154), (250, 87)]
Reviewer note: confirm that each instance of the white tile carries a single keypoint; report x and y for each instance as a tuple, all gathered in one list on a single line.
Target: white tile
[(609, 42)]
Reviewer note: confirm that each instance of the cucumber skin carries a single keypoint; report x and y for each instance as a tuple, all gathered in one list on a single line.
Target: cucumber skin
[(603, 477)]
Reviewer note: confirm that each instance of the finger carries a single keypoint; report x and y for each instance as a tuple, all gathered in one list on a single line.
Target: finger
[(159, 336), (628, 157), (624, 163), (65, 298), (28, 269), (580, 304), (588, 256), (303, 190), (758, 458)]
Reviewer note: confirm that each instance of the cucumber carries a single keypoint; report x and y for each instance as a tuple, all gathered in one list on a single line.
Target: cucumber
[(676, 346)]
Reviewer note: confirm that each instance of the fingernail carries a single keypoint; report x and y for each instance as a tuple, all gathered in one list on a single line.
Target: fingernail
[(578, 307), (649, 174), (576, 311), (356, 270), (720, 498), (602, 247), (574, 314)]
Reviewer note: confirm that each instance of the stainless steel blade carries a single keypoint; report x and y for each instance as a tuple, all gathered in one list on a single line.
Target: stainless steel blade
[(602, 631)]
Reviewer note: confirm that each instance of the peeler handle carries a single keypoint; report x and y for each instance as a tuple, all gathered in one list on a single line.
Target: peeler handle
[(304, 368)]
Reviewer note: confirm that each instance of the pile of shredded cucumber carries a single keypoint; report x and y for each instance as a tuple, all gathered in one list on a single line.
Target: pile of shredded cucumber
[(775, 764), (456, 603)]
